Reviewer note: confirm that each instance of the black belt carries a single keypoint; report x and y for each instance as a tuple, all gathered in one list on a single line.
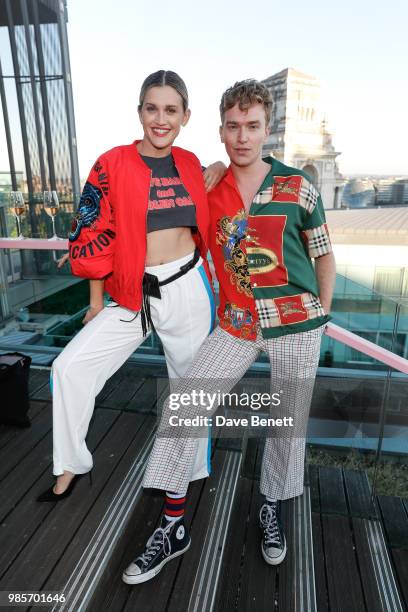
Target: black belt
[(151, 288)]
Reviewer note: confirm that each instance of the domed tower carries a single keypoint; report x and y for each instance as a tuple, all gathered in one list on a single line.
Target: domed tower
[(299, 133)]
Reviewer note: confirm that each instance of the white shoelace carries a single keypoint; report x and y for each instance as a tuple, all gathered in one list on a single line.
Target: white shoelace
[(269, 522), (157, 541)]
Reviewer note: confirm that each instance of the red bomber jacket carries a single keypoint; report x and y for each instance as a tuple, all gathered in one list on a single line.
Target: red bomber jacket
[(108, 233)]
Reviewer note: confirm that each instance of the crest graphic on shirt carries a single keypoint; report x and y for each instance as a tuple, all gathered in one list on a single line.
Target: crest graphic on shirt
[(238, 318), (261, 260), (231, 232), (291, 309)]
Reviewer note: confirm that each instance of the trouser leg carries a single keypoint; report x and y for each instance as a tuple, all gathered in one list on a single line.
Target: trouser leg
[(294, 359), (190, 302), (79, 373), (219, 365)]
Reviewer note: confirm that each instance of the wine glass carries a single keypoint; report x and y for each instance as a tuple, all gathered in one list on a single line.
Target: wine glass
[(18, 208), (51, 207)]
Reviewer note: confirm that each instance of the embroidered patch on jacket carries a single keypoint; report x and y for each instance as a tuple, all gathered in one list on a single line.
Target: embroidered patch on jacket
[(286, 189), (230, 232), (88, 210)]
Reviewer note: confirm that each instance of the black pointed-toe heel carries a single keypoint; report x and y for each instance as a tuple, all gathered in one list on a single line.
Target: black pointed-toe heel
[(50, 496)]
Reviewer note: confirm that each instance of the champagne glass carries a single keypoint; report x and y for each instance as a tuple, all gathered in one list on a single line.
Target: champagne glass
[(51, 207), (18, 208)]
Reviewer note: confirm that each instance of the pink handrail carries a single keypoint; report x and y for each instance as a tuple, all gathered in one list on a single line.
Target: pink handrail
[(365, 346), (333, 331), (41, 244)]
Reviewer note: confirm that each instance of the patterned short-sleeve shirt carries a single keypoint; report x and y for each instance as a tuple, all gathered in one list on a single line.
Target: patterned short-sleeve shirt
[(263, 260)]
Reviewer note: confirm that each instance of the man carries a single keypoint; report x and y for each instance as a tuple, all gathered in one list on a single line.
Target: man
[(267, 224)]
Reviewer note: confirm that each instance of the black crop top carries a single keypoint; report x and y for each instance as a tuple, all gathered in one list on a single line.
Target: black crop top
[(169, 203)]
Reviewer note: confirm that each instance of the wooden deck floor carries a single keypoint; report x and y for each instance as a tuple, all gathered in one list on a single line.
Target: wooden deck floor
[(344, 554)]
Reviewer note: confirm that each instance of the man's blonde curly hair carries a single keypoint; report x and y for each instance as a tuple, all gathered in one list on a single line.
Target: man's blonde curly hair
[(245, 94)]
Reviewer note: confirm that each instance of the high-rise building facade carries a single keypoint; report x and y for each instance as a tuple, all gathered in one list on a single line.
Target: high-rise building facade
[(36, 96), (299, 134), (38, 148)]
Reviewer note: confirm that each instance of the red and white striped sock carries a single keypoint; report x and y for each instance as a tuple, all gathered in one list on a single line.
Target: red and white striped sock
[(174, 506)]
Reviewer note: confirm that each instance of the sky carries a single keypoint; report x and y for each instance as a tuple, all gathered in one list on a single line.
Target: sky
[(357, 50)]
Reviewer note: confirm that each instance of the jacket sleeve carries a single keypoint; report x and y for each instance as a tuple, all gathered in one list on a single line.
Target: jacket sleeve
[(92, 235)]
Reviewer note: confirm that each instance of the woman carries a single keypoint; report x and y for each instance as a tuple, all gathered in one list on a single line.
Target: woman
[(140, 233)]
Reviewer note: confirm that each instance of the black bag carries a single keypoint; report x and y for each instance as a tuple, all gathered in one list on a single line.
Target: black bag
[(14, 397)]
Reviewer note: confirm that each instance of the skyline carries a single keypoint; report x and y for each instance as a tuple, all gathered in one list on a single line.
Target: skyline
[(355, 51)]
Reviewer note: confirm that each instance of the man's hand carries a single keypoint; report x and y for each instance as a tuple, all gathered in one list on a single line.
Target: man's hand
[(91, 313), (213, 174), (63, 260)]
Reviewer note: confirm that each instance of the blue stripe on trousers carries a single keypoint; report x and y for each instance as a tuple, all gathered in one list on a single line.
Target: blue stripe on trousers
[(210, 294)]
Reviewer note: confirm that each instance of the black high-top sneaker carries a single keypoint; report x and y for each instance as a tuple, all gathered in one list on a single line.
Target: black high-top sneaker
[(273, 544), (168, 541)]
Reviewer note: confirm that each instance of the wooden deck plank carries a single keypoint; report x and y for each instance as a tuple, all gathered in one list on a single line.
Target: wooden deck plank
[(286, 593), (121, 393), (359, 494), (257, 590), (19, 480), (50, 541), (146, 397), (29, 514), (322, 597), (187, 571), (230, 579), (156, 594), (143, 426), (395, 520), (111, 384), (259, 457), (113, 593), (37, 379), (400, 560), (343, 579), (250, 452), (314, 488), (8, 432), (22, 444), (332, 495), (43, 392), (368, 579)]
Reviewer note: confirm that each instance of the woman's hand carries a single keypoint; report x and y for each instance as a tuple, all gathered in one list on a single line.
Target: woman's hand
[(213, 174), (63, 260), (91, 313)]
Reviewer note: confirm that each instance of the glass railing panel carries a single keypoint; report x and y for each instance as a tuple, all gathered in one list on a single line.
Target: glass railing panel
[(359, 420)]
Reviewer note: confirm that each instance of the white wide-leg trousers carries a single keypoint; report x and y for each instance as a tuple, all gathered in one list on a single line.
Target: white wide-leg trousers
[(183, 318)]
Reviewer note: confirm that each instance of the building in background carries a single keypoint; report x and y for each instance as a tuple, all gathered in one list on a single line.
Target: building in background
[(38, 133), (299, 135), (367, 192), (359, 193), (36, 95)]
